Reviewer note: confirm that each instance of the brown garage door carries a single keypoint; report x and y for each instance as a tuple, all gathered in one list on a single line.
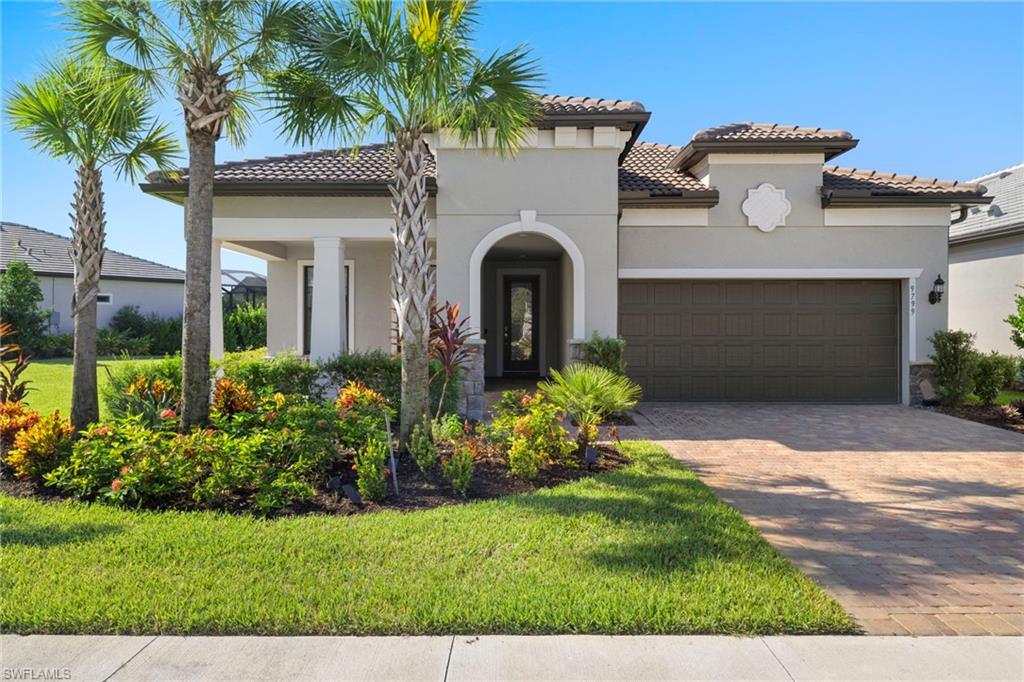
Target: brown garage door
[(772, 340)]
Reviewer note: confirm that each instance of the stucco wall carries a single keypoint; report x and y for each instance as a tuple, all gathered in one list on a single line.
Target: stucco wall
[(371, 302), (574, 190), (166, 299), (983, 279)]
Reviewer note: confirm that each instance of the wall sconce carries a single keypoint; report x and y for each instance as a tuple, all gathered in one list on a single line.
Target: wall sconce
[(938, 288)]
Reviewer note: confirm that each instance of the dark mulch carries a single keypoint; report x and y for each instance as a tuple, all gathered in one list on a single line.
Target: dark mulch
[(418, 490), (1002, 416)]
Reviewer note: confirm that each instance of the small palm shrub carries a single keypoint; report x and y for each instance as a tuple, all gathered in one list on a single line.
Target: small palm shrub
[(421, 446), (457, 467), (40, 448), (371, 468), (954, 364), (605, 351), (988, 378), (590, 394)]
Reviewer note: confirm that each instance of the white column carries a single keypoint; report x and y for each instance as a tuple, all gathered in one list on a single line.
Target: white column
[(328, 328), (216, 304)]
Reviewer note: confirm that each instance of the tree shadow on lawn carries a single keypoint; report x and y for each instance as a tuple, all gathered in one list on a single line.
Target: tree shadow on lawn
[(17, 530)]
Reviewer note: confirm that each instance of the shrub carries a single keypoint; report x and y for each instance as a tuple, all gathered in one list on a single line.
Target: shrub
[(164, 334), (1007, 368), (448, 336), (20, 296), (447, 429), (115, 392), (245, 327), (14, 418), (988, 377), (284, 373), (155, 401), (457, 467), (590, 394), (371, 468), (1016, 320), (128, 321), (231, 397), (110, 343), (383, 373), (537, 437), (363, 413), (12, 364), (421, 446), (505, 413), (954, 362), (56, 346), (604, 351), (41, 448), (132, 331)]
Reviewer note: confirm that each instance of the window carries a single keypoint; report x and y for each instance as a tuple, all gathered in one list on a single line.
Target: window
[(306, 291), (104, 299)]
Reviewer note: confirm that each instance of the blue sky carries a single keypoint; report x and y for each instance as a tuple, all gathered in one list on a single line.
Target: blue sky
[(931, 89)]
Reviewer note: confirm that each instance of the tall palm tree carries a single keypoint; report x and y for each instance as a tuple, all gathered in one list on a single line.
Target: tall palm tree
[(94, 116), (207, 51), (371, 67)]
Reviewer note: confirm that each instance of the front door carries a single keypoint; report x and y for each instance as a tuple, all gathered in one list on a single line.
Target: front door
[(521, 339)]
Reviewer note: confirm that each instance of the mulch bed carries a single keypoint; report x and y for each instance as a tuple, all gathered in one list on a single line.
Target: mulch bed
[(1001, 416), (491, 479)]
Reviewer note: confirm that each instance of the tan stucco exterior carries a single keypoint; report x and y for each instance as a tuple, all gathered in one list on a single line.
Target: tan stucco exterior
[(983, 279)]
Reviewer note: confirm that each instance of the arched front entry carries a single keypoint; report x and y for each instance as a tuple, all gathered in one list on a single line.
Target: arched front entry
[(527, 223)]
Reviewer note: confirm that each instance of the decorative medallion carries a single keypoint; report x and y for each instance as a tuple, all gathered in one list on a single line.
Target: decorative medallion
[(766, 207)]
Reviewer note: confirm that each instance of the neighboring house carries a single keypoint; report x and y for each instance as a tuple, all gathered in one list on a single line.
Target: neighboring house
[(124, 280), (986, 262), (242, 286), (739, 266)]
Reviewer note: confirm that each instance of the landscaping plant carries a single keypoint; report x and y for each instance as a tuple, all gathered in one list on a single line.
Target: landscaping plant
[(457, 467), (447, 429), (245, 327), (954, 362), (988, 377), (537, 436), (363, 413), (284, 373), (13, 364), (40, 448), (422, 447), (370, 66), (605, 351), (20, 296), (121, 401), (590, 394), (95, 115), (154, 401), (1016, 320), (448, 335), (371, 468), (14, 418)]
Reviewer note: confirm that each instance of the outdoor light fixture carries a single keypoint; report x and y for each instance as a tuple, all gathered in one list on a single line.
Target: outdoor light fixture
[(935, 295)]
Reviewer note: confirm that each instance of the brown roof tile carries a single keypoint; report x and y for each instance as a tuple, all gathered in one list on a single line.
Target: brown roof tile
[(567, 104), (876, 183), (645, 169), (768, 131)]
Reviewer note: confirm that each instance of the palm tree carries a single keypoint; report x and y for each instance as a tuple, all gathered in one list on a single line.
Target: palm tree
[(206, 52), (371, 67), (94, 116)]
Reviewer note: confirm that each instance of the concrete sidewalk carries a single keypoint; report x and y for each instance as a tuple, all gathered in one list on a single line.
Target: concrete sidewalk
[(75, 658)]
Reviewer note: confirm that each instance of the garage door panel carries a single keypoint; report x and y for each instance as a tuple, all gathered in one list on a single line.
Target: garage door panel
[(762, 340)]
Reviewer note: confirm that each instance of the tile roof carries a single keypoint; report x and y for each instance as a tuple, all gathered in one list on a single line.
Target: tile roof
[(768, 131), (48, 253), (1006, 212), (876, 183), (645, 169), (554, 105)]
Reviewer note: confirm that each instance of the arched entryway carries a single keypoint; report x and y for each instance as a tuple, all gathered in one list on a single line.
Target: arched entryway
[(527, 295)]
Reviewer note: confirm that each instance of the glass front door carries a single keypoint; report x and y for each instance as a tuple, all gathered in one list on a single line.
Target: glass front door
[(521, 338)]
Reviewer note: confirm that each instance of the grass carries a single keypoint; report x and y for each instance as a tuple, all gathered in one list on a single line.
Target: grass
[(51, 381), (645, 549), (1007, 396)]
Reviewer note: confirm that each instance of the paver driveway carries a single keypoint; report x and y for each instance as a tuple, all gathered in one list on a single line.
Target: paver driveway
[(913, 520)]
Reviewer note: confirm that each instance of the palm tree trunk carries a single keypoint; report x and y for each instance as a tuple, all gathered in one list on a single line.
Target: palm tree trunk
[(87, 255), (195, 340), (411, 276)]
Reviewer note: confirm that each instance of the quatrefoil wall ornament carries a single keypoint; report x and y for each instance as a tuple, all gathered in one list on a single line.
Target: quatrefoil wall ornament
[(766, 207)]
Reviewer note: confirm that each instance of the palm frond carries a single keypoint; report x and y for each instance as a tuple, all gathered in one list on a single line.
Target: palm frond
[(157, 146), (307, 107)]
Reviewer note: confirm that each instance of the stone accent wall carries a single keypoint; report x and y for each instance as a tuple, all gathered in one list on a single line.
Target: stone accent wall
[(918, 373), (471, 383), (575, 350)]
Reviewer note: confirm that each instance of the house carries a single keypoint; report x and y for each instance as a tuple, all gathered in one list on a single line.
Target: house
[(741, 265), (124, 280), (986, 261)]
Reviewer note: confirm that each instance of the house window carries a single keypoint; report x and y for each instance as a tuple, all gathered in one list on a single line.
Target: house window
[(104, 299), (307, 305)]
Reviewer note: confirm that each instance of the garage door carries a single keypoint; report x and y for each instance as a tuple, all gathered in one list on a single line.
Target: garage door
[(772, 340)]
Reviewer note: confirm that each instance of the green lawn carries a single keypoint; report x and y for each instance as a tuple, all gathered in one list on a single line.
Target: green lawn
[(1005, 397), (51, 381), (646, 549)]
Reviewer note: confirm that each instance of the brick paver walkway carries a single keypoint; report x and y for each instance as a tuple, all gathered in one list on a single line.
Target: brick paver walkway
[(913, 520)]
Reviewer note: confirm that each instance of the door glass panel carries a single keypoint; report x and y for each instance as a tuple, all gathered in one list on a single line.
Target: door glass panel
[(521, 331), (307, 305)]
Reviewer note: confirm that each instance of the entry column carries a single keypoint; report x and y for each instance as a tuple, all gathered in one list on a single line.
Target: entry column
[(329, 324)]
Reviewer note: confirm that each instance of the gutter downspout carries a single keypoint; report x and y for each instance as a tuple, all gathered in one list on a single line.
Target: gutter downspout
[(960, 218)]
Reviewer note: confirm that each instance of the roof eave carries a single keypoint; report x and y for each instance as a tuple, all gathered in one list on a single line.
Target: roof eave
[(696, 199), (696, 150), (858, 198), (634, 121), (299, 189), (998, 233)]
